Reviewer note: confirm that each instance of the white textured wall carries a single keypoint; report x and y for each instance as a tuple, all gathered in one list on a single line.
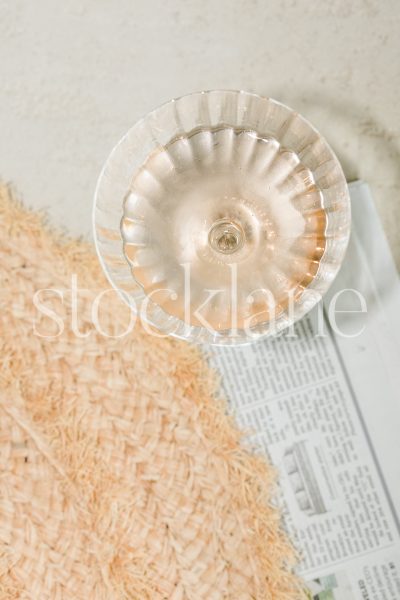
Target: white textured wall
[(76, 74)]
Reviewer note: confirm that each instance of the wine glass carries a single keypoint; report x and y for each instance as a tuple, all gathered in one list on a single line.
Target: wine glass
[(221, 217)]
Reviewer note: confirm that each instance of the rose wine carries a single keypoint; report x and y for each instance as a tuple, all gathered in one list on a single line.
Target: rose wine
[(221, 217), (224, 220)]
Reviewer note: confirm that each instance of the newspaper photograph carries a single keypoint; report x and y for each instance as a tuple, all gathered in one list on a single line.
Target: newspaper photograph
[(322, 401)]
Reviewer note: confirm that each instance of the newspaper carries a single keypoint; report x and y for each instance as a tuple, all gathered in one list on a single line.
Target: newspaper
[(324, 403)]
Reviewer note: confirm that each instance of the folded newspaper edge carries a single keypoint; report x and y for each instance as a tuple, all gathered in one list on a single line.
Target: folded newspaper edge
[(323, 402)]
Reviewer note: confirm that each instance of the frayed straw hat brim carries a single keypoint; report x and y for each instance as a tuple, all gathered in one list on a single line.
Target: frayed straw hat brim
[(122, 475)]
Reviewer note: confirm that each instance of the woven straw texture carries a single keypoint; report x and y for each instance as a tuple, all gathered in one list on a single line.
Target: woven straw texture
[(122, 475)]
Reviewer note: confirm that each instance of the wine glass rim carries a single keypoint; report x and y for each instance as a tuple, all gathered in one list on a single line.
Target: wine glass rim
[(239, 92)]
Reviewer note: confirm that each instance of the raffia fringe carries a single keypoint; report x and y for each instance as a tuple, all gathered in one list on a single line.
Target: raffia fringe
[(122, 475)]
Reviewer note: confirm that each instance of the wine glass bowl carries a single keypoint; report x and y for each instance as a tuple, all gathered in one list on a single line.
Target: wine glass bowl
[(222, 217)]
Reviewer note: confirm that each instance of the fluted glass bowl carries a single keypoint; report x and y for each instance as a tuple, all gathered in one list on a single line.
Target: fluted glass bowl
[(221, 217)]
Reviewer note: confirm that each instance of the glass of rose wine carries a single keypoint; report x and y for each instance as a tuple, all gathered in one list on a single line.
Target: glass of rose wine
[(222, 217)]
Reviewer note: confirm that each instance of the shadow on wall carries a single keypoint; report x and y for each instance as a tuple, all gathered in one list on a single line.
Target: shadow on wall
[(365, 147)]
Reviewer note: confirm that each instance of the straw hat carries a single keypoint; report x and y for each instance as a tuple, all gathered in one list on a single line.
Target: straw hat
[(122, 475)]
